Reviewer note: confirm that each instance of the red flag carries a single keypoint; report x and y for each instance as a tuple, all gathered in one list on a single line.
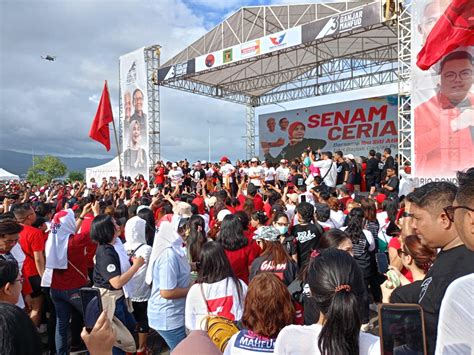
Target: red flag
[(100, 126), (455, 28)]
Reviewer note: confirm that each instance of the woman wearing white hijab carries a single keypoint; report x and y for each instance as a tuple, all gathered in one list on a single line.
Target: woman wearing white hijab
[(169, 273), (135, 245)]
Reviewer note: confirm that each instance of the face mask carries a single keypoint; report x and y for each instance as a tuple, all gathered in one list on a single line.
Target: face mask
[(307, 161), (282, 229)]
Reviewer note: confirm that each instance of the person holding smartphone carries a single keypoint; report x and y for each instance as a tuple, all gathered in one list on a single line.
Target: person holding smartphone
[(111, 275)]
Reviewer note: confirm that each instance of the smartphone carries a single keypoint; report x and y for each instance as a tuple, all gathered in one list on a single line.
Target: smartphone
[(302, 198), (91, 306), (382, 263), (401, 329), (127, 194)]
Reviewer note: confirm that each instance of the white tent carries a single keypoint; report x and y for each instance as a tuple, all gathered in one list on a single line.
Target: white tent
[(5, 175), (107, 170)]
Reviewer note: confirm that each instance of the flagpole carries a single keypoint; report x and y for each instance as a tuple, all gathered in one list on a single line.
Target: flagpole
[(116, 139)]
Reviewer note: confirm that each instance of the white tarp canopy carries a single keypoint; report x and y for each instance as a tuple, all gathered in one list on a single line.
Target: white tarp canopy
[(5, 175), (107, 170)]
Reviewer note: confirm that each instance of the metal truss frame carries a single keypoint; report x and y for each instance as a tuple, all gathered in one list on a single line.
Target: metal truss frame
[(349, 61), (405, 133), (152, 61), (250, 131)]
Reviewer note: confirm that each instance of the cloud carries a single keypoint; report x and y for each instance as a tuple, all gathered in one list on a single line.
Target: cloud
[(49, 106)]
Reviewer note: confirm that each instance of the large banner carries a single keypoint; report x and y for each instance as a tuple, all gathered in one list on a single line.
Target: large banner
[(442, 102), (134, 113), (353, 127)]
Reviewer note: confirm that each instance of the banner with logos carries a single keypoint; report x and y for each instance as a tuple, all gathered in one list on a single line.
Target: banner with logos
[(346, 21), (263, 45), (134, 113), (442, 98), (353, 127)]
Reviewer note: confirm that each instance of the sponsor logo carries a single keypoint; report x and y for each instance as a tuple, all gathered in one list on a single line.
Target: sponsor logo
[(132, 74), (111, 268), (342, 23), (305, 236), (210, 60), (227, 56), (250, 49), (424, 288), (177, 70), (277, 41)]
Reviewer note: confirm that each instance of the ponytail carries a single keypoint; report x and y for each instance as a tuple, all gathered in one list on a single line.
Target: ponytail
[(340, 332), (336, 284)]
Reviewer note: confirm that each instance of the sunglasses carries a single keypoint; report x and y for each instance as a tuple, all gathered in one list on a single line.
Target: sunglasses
[(451, 209)]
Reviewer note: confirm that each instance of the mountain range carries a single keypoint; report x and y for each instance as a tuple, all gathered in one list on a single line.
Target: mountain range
[(19, 163)]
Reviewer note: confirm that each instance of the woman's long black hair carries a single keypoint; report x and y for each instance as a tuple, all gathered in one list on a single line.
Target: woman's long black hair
[(215, 266), (340, 332), (231, 234), (197, 236), (147, 215), (355, 224)]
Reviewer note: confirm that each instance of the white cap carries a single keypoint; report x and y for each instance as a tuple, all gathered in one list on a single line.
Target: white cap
[(349, 156), (174, 165), (154, 191), (254, 160), (203, 162), (222, 214)]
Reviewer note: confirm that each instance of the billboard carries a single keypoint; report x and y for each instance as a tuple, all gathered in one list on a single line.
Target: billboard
[(353, 127), (134, 113), (442, 100)]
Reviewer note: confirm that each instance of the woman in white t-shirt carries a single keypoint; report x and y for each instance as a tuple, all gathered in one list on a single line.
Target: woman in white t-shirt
[(336, 284), (217, 290)]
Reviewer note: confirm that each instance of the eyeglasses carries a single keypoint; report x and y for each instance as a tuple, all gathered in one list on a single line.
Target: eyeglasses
[(451, 209), (463, 75), (20, 280), (400, 252)]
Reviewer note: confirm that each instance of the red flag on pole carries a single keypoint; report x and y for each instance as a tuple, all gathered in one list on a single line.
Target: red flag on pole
[(454, 29), (100, 126)]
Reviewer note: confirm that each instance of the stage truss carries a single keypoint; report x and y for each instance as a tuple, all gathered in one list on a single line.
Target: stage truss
[(361, 58)]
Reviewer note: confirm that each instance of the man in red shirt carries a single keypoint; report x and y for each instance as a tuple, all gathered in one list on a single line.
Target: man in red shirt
[(160, 175), (32, 243), (444, 138)]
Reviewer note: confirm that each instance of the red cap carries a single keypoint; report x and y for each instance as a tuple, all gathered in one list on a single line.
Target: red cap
[(380, 198), (225, 159)]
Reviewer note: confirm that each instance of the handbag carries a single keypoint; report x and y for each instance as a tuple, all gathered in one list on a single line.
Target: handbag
[(218, 328)]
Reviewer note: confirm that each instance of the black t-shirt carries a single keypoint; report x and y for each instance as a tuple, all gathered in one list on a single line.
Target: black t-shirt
[(341, 172), (286, 272), (290, 245), (107, 266), (307, 238), (448, 266), (199, 174), (406, 294), (298, 180)]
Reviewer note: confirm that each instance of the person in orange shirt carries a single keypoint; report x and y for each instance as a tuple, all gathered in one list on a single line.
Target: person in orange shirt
[(444, 124)]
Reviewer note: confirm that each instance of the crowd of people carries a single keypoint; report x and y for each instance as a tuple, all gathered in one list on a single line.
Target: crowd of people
[(286, 254)]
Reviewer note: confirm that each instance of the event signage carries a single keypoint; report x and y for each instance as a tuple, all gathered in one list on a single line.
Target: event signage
[(346, 21), (253, 48), (442, 99), (134, 113), (353, 127), (176, 70)]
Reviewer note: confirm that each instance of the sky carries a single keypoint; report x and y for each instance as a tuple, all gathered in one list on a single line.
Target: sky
[(48, 107)]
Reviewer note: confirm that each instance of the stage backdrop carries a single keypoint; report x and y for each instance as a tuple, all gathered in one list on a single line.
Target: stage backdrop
[(353, 127), (134, 113), (442, 102)]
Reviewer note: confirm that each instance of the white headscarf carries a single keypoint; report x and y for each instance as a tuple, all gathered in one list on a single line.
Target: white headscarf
[(167, 237), (63, 225), (135, 230)]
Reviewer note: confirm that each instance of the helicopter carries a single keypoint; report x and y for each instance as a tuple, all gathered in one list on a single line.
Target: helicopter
[(51, 58)]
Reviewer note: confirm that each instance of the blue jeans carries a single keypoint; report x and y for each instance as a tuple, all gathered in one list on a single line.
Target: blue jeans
[(64, 302), (173, 337)]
